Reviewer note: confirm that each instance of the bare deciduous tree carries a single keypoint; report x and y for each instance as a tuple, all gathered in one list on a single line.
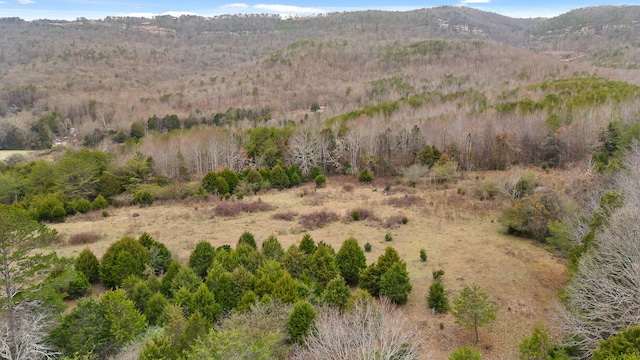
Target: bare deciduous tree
[(370, 330), (304, 150), (26, 338)]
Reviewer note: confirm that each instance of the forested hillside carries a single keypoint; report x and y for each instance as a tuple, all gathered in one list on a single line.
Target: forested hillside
[(144, 154)]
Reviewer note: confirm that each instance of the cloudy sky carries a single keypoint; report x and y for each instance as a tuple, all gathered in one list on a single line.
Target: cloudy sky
[(99, 9)]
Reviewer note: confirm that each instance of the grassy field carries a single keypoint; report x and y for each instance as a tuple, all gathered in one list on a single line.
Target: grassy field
[(460, 233)]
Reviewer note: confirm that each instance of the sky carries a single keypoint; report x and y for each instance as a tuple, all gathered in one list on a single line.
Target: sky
[(99, 9)]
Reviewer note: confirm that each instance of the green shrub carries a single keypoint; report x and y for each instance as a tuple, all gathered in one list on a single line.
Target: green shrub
[(388, 237), (99, 203), (70, 283), (123, 258), (81, 205), (230, 177), (300, 321), (530, 215), (105, 213), (350, 260), (320, 181), (279, 178), (536, 347), (465, 353), (272, 249), (337, 294), (367, 247), (437, 298), (355, 215), (248, 239), (201, 258), (87, 263), (395, 284), (307, 245), (365, 176), (437, 274), (626, 342), (143, 198), (423, 255)]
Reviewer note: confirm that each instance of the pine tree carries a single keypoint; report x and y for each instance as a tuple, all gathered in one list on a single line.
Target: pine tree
[(350, 260), (300, 321), (437, 298), (395, 284)]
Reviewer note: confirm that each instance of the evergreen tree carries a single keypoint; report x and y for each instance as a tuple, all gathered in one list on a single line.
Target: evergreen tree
[(123, 258), (201, 258), (248, 239), (286, 289), (437, 298), (295, 261), (350, 260), (300, 321), (473, 309), (279, 178), (185, 278), (225, 292), (125, 321), (87, 263), (307, 245), (271, 249), (322, 265), (337, 293), (395, 284), (155, 311), (173, 269), (204, 302)]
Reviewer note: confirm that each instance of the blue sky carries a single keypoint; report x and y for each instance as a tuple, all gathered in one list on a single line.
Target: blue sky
[(98, 9)]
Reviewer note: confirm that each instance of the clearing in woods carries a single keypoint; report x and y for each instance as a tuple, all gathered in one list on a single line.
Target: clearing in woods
[(460, 234)]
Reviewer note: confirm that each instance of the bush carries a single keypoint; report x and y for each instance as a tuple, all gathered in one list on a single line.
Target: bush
[(143, 198), (350, 260), (337, 294), (437, 274), (247, 238), (388, 237), (307, 245), (201, 258), (530, 216), (363, 214), (365, 176), (405, 201), (437, 298), (279, 178), (538, 346), (355, 215), (84, 238), (423, 255), (99, 203), (286, 216), (300, 321), (367, 247), (70, 283), (317, 219), (272, 249), (465, 353), (87, 263), (81, 205), (230, 177), (123, 258), (229, 209), (320, 181), (395, 284), (626, 342)]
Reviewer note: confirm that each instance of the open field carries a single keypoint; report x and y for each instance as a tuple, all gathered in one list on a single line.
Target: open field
[(460, 233)]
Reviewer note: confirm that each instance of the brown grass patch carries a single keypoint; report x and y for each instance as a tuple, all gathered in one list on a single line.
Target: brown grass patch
[(286, 216), (405, 201), (84, 238), (230, 209), (317, 219)]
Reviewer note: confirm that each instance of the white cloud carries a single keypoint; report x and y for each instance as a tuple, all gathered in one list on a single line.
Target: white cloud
[(235, 6), (287, 9), (475, 1), (26, 2)]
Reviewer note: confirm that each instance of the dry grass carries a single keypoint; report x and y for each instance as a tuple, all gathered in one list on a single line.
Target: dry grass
[(459, 232)]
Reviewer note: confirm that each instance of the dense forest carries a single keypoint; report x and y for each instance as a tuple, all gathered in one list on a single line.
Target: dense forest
[(100, 115)]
